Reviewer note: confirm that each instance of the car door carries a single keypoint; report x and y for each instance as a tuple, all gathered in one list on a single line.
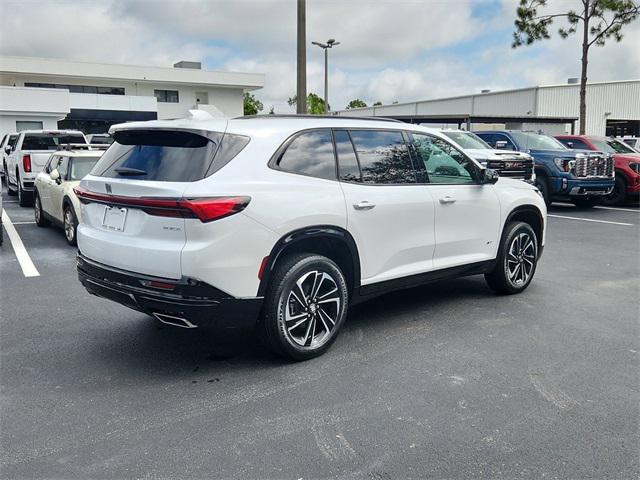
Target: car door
[(56, 190), (389, 213), (43, 182), (467, 213)]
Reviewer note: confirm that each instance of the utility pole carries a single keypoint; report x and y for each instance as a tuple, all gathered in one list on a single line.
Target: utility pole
[(301, 91), (326, 46)]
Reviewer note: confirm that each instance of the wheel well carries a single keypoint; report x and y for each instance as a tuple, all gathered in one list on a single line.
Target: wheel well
[(529, 215), (333, 247)]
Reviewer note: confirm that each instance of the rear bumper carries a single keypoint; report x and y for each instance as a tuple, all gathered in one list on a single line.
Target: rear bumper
[(187, 299)]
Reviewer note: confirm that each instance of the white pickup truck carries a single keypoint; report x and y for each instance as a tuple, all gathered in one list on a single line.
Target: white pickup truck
[(30, 154)]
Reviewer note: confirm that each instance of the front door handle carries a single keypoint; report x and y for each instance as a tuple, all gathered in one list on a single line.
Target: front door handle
[(364, 205), (447, 199)]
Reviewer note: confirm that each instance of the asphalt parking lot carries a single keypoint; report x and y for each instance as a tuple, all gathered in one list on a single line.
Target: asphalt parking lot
[(446, 380)]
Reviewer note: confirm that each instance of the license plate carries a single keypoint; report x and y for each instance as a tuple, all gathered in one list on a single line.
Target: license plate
[(114, 218)]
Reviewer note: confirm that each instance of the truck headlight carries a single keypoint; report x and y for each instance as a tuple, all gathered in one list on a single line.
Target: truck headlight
[(564, 164)]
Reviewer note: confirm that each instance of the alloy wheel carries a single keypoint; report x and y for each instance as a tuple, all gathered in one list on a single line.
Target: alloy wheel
[(311, 309), (69, 225), (520, 259)]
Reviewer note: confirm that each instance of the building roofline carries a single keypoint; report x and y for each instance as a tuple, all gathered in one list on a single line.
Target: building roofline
[(496, 92), (143, 73)]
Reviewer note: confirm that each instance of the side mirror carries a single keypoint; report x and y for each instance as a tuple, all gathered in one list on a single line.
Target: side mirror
[(569, 144), (501, 145), (55, 176), (488, 176), (7, 150)]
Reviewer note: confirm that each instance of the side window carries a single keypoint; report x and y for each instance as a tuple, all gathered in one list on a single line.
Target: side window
[(574, 143), (443, 162), (348, 168), (490, 138), (62, 167), (503, 138), (310, 153), (51, 163), (383, 157)]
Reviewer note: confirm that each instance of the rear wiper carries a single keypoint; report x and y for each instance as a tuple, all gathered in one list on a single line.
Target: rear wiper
[(126, 171)]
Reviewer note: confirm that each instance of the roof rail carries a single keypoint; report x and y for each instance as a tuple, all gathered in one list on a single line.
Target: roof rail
[(333, 117)]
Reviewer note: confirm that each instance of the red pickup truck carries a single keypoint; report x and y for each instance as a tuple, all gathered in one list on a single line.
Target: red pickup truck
[(627, 164)]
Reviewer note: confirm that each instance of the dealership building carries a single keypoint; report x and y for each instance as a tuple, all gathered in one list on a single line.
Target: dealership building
[(48, 93), (613, 108)]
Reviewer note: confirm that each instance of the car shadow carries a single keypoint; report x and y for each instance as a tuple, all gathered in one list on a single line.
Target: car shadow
[(163, 350)]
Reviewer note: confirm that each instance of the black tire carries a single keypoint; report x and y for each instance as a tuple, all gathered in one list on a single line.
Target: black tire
[(38, 213), (584, 203), (1, 231), (70, 224), (309, 324), (24, 198), (542, 184), (619, 194), (512, 256)]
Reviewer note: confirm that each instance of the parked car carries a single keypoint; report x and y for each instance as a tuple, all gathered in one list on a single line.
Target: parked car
[(581, 177), (507, 163), (99, 139), (30, 154), (289, 220), (54, 199), (627, 164), (8, 142)]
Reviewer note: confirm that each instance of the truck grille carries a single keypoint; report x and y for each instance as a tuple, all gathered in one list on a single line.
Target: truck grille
[(594, 165), (513, 167)]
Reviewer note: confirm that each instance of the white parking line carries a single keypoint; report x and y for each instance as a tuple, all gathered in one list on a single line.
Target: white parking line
[(23, 223), (619, 209), (592, 220), (28, 268)]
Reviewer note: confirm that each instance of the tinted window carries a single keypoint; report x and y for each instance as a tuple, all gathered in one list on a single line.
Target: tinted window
[(81, 166), (310, 153), (443, 162), (383, 156), (574, 143), (49, 141), (169, 156), (348, 168), (498, 137)]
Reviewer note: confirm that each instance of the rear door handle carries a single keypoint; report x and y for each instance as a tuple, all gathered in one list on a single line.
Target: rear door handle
[(447, 199), (364, 205)]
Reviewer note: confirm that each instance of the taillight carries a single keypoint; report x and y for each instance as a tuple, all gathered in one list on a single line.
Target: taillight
[(205, 209), (26, 163)]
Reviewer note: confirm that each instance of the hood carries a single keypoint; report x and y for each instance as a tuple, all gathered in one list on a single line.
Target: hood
[(559, 153), (514, 183), (492, 154)]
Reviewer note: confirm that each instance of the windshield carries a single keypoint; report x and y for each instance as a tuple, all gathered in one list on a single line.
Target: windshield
[(467, 140), (535, 141), (50, 141), (611, 146), (81, 166)]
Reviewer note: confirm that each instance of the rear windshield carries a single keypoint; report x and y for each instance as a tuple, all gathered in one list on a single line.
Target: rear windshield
[(49, 141), (166, 155), (101, 140), (81, 166)]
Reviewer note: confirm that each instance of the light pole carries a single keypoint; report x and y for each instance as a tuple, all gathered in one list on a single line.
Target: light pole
[(326, 46), (301, 77)]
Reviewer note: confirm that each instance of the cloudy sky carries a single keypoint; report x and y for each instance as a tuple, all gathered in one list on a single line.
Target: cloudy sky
[(391, 50)]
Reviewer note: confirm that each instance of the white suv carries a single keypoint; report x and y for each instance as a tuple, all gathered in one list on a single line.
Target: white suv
[(290, 220)]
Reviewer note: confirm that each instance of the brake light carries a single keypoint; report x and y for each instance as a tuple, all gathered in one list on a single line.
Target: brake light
[(26, 163), (205, 209)]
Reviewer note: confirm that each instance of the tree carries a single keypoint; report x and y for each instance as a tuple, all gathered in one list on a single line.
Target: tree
[(357, 103), (599, 21), (315, 104), (377, 104), (251, 104)]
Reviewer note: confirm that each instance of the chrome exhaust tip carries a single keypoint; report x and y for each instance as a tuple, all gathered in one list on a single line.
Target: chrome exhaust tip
[(174, 321)]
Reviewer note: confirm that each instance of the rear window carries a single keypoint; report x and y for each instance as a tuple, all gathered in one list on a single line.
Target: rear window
[(49, 141), (166, 155)]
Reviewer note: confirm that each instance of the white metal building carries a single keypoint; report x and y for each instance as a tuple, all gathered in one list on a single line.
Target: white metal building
[(52, 93), (613, 108)]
